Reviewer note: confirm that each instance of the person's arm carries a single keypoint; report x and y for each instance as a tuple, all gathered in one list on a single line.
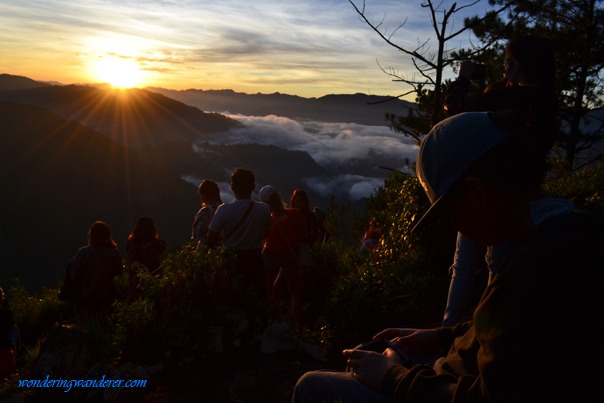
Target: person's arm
[(469, 259), (385, 372), (215, 228)]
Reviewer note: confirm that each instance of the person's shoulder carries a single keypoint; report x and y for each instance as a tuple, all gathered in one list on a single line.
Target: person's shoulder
[(226, 206), (261, 206), (577, 227), (109, 250), (84, 251)]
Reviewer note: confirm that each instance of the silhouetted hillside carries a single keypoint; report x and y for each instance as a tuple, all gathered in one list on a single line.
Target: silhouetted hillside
[(9, 82), (357, 108), (58, 177), (132, 117)]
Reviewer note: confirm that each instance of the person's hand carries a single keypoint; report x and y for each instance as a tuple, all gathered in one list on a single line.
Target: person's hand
[(411, 340), (466, 69), (370, 367)]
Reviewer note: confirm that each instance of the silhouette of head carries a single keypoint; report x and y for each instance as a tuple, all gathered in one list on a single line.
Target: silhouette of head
[(144, 230), (209, 191), (299, 200), (99, 234), (243, 183)]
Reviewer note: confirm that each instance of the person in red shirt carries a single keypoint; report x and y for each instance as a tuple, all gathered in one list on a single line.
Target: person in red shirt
[(282, 247)]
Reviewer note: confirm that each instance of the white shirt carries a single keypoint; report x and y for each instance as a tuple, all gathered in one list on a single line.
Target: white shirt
[(250, 234)]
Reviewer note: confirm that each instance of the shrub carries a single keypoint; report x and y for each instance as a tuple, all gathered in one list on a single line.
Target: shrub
[(405, 280), (190, 293), (585, 187), (35, 313)]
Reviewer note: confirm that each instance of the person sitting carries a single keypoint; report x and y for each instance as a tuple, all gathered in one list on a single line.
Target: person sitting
[(536, 335), (209, 192), (90, 274)]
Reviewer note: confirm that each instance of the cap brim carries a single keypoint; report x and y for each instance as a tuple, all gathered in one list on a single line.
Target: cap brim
[(430, 215)]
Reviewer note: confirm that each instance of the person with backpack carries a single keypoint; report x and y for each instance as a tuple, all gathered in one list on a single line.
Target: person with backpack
[(89, 278)]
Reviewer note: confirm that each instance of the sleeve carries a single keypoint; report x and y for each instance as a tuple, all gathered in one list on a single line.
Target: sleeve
[(217, 223), (418, 383), (425, 383), (203, 224), (469, 259)]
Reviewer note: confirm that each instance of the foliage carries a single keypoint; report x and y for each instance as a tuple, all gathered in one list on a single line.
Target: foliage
[(36, 312), (585, 187), (576, 29), (401, 283), (176, 306)]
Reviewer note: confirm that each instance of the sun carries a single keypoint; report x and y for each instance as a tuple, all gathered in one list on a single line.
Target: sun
[(120, 72)]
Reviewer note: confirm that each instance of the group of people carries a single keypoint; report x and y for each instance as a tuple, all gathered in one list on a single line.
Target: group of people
[(90, 273), (537, 334), (270, 242)]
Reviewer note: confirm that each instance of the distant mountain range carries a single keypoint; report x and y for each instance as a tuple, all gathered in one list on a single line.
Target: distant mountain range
[(75, 154), (132, 117), (356, 108)]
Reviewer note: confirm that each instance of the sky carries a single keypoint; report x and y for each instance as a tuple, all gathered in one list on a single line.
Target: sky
[(308, 48)]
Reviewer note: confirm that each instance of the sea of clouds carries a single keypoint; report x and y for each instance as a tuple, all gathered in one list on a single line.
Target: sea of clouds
[(360, 156)]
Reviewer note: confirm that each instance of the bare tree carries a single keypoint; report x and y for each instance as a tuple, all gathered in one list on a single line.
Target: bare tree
[(429, 64)]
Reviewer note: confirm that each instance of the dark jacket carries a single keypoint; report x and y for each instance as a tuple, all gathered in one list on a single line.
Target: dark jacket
[(538, 332)]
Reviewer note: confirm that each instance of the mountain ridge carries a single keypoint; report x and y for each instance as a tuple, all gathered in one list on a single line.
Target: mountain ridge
[(132, 117), (349, 108)]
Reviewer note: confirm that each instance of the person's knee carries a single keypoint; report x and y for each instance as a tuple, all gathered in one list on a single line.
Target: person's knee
[(307, 387)]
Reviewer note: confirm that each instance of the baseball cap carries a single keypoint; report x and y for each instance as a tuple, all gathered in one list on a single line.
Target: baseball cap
[(266, 192), (450, 148)]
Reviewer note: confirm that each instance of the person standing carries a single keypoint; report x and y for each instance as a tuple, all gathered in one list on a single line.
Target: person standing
[(209, 192), (282, 248), (243, 225), (527, 89)]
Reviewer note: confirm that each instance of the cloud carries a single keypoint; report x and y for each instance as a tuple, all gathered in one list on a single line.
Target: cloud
[(329, 144), (354, 187), (309, 48), (355, 153)]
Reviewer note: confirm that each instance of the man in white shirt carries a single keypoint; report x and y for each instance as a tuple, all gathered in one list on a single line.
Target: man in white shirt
[(243, 225)]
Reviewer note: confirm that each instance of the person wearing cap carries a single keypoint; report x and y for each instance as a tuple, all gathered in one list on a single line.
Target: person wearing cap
[(282, 248), (243, 225), (537, 333)]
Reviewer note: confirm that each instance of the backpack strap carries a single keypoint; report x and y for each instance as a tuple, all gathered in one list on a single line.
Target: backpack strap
[(245, 214)]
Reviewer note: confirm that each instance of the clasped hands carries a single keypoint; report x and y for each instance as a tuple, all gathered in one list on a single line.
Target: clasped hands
[(370, 367)]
